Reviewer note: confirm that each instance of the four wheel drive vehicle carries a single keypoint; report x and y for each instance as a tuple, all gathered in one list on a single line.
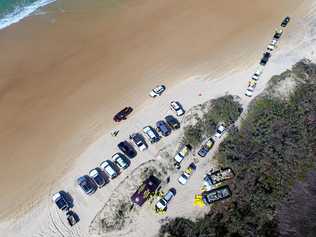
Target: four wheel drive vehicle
[(257, 74), (285, 21), (163, 128), (183, 179), (177, 107), (109, 169), (72, 218), (249, 91), (120, 160), (61, 201), (122, 114), (157, 91), (252, 83), (206, 147), (271, 47), (127, 149), (219, 131), (172, 122), (217, 194), (152, 134), (265, 58), (278, 33), (98, 178), (184, 151), (87, 184), (139, 141), (163, 202)]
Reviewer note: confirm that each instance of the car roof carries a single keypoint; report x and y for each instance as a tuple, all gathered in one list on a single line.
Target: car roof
[(56, 196), (168, 195), (183, 179)]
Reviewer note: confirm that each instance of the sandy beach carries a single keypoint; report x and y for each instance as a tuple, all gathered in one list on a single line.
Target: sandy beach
[(66, 72)]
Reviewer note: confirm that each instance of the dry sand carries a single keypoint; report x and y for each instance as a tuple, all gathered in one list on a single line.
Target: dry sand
[(60, 86), (64, 73)]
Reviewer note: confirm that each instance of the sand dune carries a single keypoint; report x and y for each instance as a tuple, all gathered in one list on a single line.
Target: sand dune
[(63, 74)]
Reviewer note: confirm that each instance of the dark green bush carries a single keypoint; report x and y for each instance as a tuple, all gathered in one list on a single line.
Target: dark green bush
[(224, 109), (274, 148)]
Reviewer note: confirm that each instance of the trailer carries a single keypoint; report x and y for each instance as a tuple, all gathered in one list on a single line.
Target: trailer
[(214, 178), (217, 194)]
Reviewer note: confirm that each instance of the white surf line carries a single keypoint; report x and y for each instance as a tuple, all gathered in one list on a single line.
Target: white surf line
[(21, 13)]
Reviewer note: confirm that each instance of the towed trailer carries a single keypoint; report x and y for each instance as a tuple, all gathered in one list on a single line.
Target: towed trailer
[(215, 177), (221, 175), (217, 194)]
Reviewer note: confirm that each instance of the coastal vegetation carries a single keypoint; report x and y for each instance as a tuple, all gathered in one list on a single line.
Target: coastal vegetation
[(225, 109), (273, 155)]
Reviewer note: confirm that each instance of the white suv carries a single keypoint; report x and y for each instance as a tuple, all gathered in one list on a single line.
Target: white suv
[(219, 131), (163, 202), (120, 160), (184, 151), (177, 107), (108, 169), (157, 91)]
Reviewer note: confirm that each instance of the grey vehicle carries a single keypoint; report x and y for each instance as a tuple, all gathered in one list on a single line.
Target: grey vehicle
[(163, 128), (163, 202), (139, 141), (151, 134), (87, 184)]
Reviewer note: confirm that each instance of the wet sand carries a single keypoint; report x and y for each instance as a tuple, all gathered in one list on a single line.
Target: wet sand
[(65, 73)]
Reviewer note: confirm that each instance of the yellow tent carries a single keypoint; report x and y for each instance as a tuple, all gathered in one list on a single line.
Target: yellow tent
[(198, 200)]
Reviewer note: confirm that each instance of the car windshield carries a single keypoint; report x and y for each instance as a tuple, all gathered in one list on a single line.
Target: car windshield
[(163, 202), (176, 106), (61, 203), (158, 89)]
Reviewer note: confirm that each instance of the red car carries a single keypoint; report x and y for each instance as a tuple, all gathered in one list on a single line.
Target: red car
[(122, 114)]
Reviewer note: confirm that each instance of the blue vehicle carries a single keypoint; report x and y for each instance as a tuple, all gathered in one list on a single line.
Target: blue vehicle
[(61, 201), (163, 128), (98, 177), (127, 149), (87, 184)]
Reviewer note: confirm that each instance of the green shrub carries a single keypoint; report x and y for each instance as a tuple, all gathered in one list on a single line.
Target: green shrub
[(224, 109), (274, 148)]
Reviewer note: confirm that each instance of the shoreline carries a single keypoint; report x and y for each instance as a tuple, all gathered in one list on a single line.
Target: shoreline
[(19, 14), (97, 127)]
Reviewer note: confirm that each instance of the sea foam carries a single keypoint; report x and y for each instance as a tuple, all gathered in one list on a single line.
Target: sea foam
[(21, 12)]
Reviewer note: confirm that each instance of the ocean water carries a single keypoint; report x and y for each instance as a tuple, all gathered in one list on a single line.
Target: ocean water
[(12, 11)]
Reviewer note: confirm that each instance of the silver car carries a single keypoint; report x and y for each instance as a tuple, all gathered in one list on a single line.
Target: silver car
[(120, 160)]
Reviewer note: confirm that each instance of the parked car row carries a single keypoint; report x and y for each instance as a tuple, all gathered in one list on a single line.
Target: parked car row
[(265, 58), (110, 169)]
